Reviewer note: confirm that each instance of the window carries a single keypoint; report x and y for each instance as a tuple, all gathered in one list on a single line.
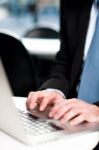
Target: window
[(21, 15)]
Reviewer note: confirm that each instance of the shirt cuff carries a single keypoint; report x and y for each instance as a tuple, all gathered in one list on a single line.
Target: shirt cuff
[(60, 92)]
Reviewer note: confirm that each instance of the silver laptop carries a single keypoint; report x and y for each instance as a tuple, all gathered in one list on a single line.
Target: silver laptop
[(27, 128)]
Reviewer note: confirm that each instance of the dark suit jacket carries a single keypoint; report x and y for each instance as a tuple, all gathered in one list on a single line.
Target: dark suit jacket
[(67, 68), (97, 147)]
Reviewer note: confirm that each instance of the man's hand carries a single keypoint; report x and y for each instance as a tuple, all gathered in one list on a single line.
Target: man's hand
[(75, 111), (43, 99)]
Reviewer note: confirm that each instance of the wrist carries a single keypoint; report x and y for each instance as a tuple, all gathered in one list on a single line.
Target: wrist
[(58, 91)]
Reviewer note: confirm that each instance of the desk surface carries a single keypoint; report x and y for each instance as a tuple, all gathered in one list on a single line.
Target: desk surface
[(46, 48), (74, 142), (42, 47)]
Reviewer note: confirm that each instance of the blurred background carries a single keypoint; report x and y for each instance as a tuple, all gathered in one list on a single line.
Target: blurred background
[(21, 15), (28, 57)]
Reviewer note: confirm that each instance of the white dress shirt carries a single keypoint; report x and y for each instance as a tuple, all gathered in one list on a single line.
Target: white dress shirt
[(91, 29)]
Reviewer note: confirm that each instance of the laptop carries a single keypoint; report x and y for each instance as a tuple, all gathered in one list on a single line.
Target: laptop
[(31, 129)]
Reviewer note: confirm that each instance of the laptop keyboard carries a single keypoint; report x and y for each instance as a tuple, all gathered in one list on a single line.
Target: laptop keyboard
[(35, 126)]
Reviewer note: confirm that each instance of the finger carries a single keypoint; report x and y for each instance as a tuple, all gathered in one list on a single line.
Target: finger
[(69, 115), (57, 109), (60, 112), (77, 120), (46, 101), (28, 99), (35, 99), (29, 95)]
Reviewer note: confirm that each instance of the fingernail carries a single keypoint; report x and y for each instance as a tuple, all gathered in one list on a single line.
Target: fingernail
[(50, 114), (33, 106), (41, 108)]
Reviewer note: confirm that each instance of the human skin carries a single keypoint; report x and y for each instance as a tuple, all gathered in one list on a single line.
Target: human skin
[(73, 110)]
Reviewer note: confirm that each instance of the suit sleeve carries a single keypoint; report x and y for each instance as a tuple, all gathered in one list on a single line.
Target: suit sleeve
[(60, 73), (97, 103)]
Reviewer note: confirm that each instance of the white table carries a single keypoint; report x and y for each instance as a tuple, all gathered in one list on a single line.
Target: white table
[(82, 141), (46, 48), (42, 47)]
